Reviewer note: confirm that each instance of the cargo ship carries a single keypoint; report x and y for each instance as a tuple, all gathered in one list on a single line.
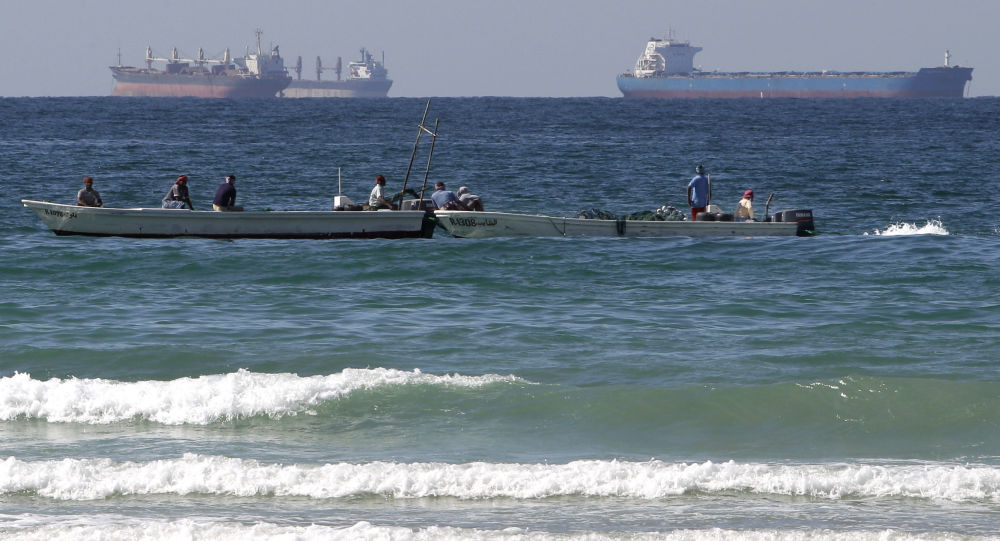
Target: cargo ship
[(366, 78), (255, 75), (666, 70)]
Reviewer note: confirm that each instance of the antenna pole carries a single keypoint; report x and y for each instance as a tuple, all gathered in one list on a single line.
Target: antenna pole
[(434, 136), (420, 131)]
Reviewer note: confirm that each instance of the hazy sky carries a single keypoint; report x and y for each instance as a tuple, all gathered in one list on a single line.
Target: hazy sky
[(496, 47)]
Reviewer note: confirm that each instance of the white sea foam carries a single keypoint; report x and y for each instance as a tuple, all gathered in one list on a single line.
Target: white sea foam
[(932, 227), (103, 527), (87, 479), (43, 528), (200, 400)]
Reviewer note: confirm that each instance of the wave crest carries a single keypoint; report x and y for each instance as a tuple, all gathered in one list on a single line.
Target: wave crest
[(88, 479), (201, 400)]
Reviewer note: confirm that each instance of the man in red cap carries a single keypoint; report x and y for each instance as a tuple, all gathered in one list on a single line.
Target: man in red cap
[(178, 195), (744, 211), (377, 200), (88, 196)]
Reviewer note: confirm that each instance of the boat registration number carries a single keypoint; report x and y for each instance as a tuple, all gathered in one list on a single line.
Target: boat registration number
[(60, 213), (473, 222)]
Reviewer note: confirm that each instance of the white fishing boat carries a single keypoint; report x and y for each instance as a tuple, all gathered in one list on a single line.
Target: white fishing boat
[(478, 225), (272, 224)]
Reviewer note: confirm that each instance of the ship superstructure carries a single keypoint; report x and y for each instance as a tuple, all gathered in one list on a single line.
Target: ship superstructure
[(666, 70), (255, 75), (366, 78)]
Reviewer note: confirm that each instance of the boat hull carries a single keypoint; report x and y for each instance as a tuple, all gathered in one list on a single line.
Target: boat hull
[(469, 224), (130, 82), (162, 223), (338, 89), (941, 82)]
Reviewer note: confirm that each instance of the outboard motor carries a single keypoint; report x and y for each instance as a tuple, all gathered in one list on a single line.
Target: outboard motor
[(804, 217)]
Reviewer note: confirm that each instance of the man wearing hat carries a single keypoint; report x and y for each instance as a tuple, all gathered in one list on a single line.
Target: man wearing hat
[(744, 211), (377, 198), (88, 196), (178, 195), (445, 199)]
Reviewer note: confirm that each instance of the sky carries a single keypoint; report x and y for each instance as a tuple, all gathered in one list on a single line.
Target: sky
[(519, 48)]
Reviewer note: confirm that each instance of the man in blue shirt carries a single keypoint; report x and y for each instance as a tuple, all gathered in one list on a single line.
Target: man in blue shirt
[(225, 196), (446, 199), (699, 192)]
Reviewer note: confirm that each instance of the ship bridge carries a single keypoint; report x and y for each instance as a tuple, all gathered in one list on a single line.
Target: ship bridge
[(666, 57)]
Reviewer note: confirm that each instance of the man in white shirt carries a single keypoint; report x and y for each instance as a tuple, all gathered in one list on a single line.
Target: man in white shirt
[(377, 198)]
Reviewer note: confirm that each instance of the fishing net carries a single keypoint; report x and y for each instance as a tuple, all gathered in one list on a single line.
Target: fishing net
[(662, 214)]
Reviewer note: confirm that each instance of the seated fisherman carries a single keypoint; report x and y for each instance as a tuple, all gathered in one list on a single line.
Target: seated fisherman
[(446, 199), (744, 211), (471, 200), (178, 195), (225, 196), (88, 196), (377, 198)]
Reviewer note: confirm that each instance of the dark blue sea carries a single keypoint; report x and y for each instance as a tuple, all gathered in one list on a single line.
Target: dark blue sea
[(838, 387)]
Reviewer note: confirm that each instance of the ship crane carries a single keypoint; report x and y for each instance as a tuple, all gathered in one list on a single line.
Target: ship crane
[(175, 58), (319, 69)]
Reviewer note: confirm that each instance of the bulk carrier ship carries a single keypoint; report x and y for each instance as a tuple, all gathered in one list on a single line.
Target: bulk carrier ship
[(256, 75), (366, 78), (666, 70)]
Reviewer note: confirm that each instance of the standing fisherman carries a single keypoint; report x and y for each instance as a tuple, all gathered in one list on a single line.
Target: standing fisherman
[(699, 192)]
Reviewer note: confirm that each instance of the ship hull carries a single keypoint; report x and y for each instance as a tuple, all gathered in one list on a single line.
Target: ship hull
[(163, 85), (944, 82), (338, 89)]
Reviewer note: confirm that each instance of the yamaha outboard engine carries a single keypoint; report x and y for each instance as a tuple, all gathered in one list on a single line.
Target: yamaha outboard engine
[(804, 217)]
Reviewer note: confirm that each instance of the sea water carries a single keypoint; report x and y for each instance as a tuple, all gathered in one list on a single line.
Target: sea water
[(839, 387)]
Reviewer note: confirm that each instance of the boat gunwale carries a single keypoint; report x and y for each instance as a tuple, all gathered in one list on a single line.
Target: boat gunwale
[(559, 226)]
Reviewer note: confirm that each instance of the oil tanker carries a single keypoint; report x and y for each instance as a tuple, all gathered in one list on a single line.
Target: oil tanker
[(255, 75), (666, 70), (366, 78)]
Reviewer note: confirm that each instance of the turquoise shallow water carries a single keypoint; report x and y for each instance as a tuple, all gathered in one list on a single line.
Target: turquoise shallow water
[(836, 387)]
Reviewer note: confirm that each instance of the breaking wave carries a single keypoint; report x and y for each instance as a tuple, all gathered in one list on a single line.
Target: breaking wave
[(932, 227), (201, 400), (90, 479)]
